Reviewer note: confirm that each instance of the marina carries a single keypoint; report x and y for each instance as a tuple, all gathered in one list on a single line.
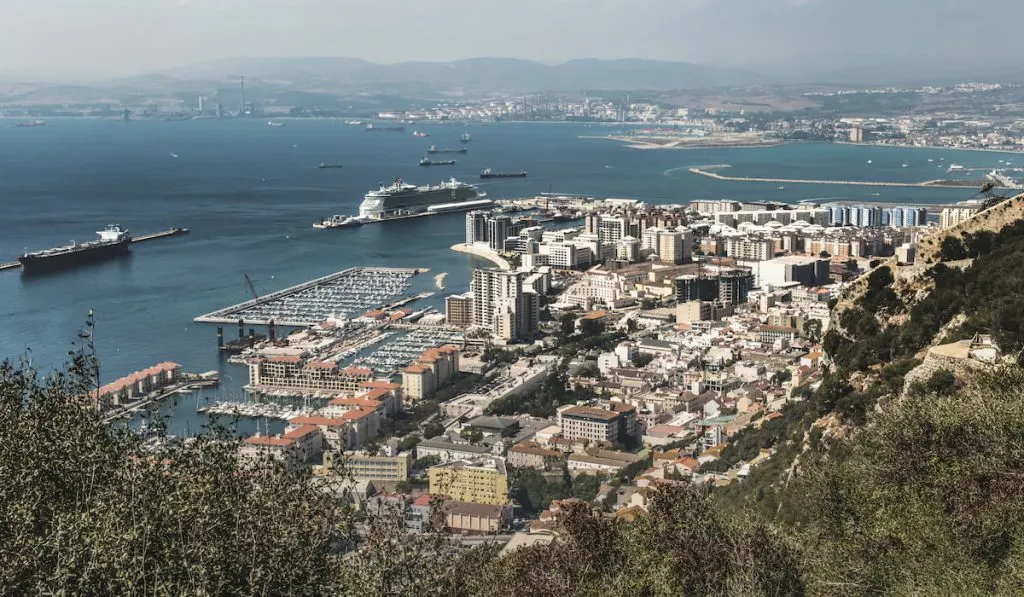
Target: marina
[(341, 295), (392, 356), (268, 410)]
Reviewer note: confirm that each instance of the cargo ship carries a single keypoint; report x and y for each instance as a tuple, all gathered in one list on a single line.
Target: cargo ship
[(31, 123), (326, 165), (429, 162), (113, 242), (420, 134), (401, 198), (385, 129), (488, 173), (434, 149)]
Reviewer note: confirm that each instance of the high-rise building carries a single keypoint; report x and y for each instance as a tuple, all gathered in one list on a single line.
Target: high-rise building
[(459, 309), (498, 229), (951, 216), (692, 288), (675, 247), (750, 249), (503, 306), (476, 227), (611, 230), (202, 103), (857, 134), (734, 286)]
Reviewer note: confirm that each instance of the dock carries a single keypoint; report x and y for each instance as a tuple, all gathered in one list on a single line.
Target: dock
[(161, 234)]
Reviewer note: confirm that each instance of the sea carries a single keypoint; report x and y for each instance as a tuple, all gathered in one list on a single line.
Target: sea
[(249, 194)]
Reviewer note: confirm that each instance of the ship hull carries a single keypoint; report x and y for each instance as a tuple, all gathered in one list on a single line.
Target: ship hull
[(504, 175), (47, 263)]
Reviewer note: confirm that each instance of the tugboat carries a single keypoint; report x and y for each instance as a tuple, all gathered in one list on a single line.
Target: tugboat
[(434, 149), (490, 174), (428, 162), (114, 241), (326, 165), (338, 222), (465, 138)]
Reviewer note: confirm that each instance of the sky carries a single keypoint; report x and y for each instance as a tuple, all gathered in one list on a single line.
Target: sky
[(126, 37)]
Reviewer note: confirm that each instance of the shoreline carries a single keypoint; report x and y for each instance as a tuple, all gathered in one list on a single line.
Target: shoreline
[(940, 147), (483, 254), (684, 144)]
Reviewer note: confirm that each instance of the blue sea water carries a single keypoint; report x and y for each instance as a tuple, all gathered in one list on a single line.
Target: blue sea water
[(249, 193)]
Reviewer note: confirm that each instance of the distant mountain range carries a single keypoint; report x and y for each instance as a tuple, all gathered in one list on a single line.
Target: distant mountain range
[(284, 80), (477, 75)]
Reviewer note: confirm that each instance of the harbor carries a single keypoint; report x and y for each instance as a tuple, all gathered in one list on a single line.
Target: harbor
[(389, 358), (342, 295), (709, 171)]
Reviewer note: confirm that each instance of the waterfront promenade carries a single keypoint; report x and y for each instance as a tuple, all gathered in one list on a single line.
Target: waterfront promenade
[(487, 254), (709, 171)]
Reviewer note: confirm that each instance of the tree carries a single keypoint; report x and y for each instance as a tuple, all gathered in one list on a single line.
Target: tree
[(86, 509), (824, 255), (403, 486), (408, 443), (812, 330), (433, 429), (472, 434), (591, 327), (425, 462), (567, 325), (642, 360)]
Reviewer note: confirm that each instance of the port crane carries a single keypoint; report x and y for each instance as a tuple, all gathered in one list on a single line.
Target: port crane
[(249, 286)]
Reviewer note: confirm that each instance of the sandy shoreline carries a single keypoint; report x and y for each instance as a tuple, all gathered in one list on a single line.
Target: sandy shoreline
[(483, 254)]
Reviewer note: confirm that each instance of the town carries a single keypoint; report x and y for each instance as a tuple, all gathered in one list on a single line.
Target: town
[(648, 346)]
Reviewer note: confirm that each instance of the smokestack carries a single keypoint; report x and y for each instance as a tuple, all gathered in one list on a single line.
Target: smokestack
[(241, 330), (220, 337)]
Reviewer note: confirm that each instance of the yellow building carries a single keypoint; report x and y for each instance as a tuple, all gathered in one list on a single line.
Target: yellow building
[(484, 481), (364, 467)]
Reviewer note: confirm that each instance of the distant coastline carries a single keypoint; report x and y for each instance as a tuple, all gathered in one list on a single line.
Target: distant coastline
[(722, 143), (941, 147)]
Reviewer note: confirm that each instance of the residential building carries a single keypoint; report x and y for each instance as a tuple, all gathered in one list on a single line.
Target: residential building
[(476, 227), (503, 306), (951, 216), (293, 373), (459, 309), (592, 424), (447, 451), (435, 368), (365, 467), (297, 447), (481, 481), (530, 454), (140, 383)]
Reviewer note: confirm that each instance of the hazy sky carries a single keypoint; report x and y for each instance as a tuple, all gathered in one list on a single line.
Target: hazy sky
[(135, 36)]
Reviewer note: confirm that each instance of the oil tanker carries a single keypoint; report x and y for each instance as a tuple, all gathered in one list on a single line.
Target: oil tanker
[(113, 241)]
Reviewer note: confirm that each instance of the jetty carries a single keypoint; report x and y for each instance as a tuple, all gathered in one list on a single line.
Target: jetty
[(162, 234), (709, 171)]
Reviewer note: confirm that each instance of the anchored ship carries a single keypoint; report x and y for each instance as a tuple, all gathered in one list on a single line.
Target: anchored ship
[(326, 165), (113, 241), (429, 162), (465, 138), (402, 198), (31, 123), (488, 173), (385, 129), (420, 134), (434, 149)]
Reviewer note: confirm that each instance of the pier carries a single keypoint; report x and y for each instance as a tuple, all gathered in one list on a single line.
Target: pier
[(709, 171), (161, 234), (345, 294)]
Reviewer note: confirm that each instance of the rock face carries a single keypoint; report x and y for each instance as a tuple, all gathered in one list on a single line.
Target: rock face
[(992, 220)]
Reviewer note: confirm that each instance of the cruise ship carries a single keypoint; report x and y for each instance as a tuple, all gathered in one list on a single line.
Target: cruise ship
[(113, 241), (401, 198)]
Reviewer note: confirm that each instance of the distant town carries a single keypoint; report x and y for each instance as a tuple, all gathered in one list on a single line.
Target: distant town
[(961, 116)]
